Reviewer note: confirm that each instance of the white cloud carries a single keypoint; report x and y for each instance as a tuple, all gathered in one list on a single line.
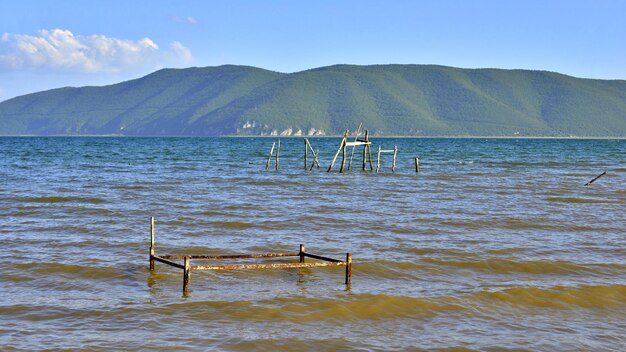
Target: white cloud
[(185, 20), (182, 52), (61, 50)]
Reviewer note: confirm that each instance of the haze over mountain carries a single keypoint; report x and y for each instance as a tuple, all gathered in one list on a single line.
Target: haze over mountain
[(404, 100)]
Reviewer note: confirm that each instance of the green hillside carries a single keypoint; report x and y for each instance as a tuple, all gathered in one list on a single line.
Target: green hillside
[(410, 100)]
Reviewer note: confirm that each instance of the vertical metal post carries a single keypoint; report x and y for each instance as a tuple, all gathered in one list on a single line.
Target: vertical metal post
[(417, 165), (186, 277), (301, 253), (348, 268), (152, 243)]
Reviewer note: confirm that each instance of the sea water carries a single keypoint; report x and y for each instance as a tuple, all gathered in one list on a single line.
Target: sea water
[(496, 244)]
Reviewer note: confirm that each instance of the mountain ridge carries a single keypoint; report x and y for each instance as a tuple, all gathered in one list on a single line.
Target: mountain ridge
[(399, 100)]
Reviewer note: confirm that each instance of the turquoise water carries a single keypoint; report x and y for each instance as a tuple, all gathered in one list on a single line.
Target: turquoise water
[(495, 245)]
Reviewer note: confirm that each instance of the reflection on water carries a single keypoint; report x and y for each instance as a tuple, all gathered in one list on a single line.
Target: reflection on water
[(495, 244)]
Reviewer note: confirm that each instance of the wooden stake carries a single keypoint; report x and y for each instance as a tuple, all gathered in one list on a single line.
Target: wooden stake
[(306, 152), (395, 151), (269, 158), (378, 162), (332, 163), (597, 177), (358, 132), (315, 159), (365, 149), (152, 243), (301, 253), (348, 268), (417, 165), (277, 152), (343, 158), (186, 275)]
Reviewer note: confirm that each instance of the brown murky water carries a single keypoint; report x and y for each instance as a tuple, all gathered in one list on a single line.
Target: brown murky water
[(495, 245)]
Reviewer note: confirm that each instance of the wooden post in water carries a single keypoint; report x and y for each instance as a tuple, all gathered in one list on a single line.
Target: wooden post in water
[(152, 243), (315, 155), (348, 268), (301, 253), (395, 151), (356, 138), (277, 152), (343, 158), (378, 160), (369, 148), (365, 149), (186, 275), (269, 158), (594, 180), (417, 165), (306, 153), (343, 144)]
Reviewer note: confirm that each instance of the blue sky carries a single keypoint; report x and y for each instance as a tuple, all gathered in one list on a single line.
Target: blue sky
[(47, 44)]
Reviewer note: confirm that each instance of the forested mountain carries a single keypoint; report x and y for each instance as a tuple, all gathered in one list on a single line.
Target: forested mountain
[(405, 100)]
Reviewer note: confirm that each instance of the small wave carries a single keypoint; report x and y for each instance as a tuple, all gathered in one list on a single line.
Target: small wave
[(58, 199), (300, 310), (213, 213), (505, 266), (576, 200), (294, 344), (441, 252), (388, 269), (375, 307), (507, 250), (232, 224), (562, 297), (75, 271)]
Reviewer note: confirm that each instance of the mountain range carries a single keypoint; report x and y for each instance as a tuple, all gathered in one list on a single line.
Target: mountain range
[(389, 100)]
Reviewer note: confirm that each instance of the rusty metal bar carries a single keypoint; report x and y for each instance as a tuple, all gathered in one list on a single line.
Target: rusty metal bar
[(186, 275), (321, 258), (159, 259), (265, 266), (232, 256), (348, 268), (151, 243)]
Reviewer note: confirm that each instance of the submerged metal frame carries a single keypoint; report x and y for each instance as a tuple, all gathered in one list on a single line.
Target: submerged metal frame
[(187, 267)]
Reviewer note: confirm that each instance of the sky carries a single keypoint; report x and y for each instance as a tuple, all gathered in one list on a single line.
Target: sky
[(47, 44)]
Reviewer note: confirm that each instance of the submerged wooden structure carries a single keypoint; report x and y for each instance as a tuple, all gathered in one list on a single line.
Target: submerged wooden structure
[(365, 142), (188, 268), (307, 146), (269, 158), (343, 146), (381, 151)]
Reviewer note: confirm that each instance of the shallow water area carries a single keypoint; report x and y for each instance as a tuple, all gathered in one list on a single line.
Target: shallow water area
[(495, 245)]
